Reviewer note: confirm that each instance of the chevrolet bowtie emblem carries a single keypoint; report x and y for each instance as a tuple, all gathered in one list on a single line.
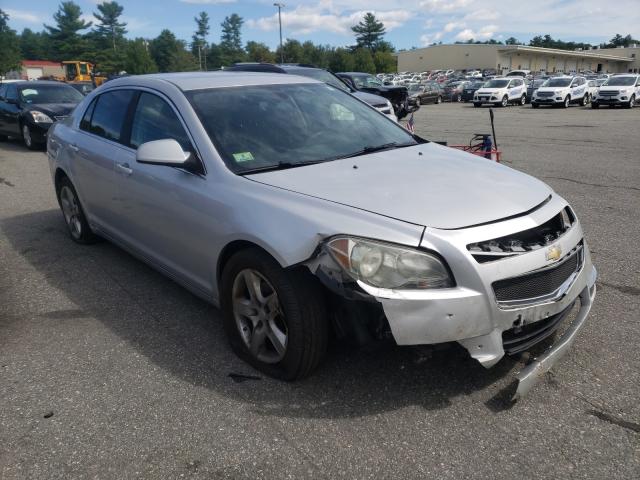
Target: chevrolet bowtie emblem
[(554, 253)]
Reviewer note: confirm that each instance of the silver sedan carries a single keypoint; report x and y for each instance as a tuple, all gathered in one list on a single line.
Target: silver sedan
[(300, 210)]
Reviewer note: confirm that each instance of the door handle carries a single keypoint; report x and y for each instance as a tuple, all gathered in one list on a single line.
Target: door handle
[(124, 168), (74, 148)]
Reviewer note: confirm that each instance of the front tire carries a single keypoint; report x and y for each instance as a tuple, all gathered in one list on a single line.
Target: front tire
[(439, 99), (27, 138), (631, 103), (274, 318), (585, 100), (73, 213), (567, 102), (523, 100), (505, 101), (477, 105), (534, 105), (594, 105)]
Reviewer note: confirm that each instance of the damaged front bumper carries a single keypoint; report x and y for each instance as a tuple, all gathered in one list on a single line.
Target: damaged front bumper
[(470, 313)]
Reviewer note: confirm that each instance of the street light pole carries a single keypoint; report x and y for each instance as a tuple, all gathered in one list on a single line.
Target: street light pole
[(280, 7)]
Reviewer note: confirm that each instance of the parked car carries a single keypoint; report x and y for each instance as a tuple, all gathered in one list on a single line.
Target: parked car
[(470, 89), (518, 73), (453, 91), (365, 82), (430, 92), (561, 91), (621, 90), (376, 101), (28, 109), (298, 209), (533, 86), (501, 92)]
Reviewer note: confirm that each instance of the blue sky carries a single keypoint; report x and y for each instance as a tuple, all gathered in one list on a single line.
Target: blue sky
[(409, 22)]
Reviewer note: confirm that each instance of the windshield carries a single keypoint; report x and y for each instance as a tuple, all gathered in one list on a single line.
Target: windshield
[(496, 84), (50, 94), (321, 75), (620, 82), (539, 82), (363, 81), (557, 82), (259, 127), (415, 88), (601, 81)]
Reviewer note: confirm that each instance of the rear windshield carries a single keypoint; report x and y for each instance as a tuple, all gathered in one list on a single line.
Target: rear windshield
[(620, 82), (259, 127), (496, 84), (50, 94), (557, 82)]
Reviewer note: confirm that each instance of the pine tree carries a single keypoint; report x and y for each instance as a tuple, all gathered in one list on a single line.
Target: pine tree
[(66, 42), (231, 39), (108, 26), (10, 50), (369, 32), (138, 60), (199, 39)]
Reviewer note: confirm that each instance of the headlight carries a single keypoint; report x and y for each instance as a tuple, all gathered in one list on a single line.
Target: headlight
[(557, 92), (40, 117), (388, 266)]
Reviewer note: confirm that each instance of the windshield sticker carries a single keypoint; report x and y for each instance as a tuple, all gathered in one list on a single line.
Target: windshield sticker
[(243, 157), (29, 91)]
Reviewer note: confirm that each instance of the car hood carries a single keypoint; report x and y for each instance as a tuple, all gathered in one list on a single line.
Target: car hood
[(490, 91), (551, 89), (371, 99), (440, 188), (53, 109)]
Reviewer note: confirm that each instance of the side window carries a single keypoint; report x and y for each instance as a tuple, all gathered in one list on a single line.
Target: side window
[(154, 119), (109, 114), (12, 92), (3, 89), (85, 123)]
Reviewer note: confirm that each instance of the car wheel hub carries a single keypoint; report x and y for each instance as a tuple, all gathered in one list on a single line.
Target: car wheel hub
[(259, 316), (26, 134), (71, 211)]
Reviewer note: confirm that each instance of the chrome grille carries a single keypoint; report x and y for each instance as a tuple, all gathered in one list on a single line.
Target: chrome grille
[(539, 285), (545, 94), (608, 94)]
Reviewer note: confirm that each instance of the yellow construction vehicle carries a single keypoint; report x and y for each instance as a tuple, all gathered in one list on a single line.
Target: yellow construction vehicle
[(77, 71)]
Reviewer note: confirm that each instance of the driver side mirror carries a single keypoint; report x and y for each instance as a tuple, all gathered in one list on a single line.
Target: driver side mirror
[(165, 152)]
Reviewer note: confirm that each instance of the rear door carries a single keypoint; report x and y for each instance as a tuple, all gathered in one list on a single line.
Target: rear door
[(10, 113), (96, 148)]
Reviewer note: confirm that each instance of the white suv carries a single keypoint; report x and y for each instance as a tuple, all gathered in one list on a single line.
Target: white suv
[(501, 91), (618, 90), (562, 91)]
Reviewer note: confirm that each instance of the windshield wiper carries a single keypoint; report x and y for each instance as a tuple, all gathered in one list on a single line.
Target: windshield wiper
[(279, 166), (378, 148)]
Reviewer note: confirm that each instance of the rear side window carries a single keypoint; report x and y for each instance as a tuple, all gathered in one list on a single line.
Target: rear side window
[(154, 119), (85, 123), (12, 92), (109, 114)]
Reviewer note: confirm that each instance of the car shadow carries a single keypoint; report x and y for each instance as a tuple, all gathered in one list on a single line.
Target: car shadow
[(183, 335)]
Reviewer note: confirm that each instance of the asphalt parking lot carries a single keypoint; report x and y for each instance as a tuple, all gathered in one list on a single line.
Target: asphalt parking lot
[(110, 370)]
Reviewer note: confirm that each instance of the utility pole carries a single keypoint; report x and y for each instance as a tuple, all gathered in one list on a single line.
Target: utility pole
[(280, 7)]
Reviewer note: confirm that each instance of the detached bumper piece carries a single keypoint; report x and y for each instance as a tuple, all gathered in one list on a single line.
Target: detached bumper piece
[(531, 374)]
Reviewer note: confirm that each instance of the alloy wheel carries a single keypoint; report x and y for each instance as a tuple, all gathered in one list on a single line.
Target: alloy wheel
[(26, 135), (71, 211), (259, 316)]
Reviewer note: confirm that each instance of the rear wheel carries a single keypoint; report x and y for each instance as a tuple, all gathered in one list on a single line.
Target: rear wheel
[(585, 100), (458, 98), (73, 213), (439, 99), (418, 101), (274, 317)]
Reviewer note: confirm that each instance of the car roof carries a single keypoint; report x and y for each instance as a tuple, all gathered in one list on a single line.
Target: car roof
[(218, 79), (35, 83)]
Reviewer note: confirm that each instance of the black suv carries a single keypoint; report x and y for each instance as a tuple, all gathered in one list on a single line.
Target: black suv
[(365, 82)]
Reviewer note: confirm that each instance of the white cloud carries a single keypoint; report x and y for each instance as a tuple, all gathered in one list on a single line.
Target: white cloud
[(24, 16), (208, 2), (451, 26), (443, 6), (484, 33), (305, 20)]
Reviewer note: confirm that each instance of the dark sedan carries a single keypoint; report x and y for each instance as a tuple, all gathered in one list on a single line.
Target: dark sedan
[(423, 94), (470, 89), (365, 82), (453, 91), (28, 109)]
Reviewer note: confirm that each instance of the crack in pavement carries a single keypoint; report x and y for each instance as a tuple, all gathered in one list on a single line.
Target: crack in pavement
[(607, 417), (6, 182), (628, 289), (594, 184)]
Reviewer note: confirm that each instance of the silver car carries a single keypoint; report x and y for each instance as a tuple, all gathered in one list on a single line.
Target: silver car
[(298, 209)]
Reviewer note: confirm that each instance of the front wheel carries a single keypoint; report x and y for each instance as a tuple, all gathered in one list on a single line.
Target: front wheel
[(567, 102), (534, 105), (274, 317), (439, 99), (73, 213), (458, 98), (632, 102), (585, 100), (505, 101), (477, 105), (523, 99), (418, 101), (27, 138)]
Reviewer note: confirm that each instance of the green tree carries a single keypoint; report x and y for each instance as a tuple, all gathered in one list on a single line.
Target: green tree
[(170, 54), (199, 39), (66, 42), (620, 41), (259, 52), (363, 61), (385, 62), (512, 41), (34, 45), (10, 51), (341, 60), (231, 39), (138, 60), (291, 51), (109, 26), (369, 32)]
